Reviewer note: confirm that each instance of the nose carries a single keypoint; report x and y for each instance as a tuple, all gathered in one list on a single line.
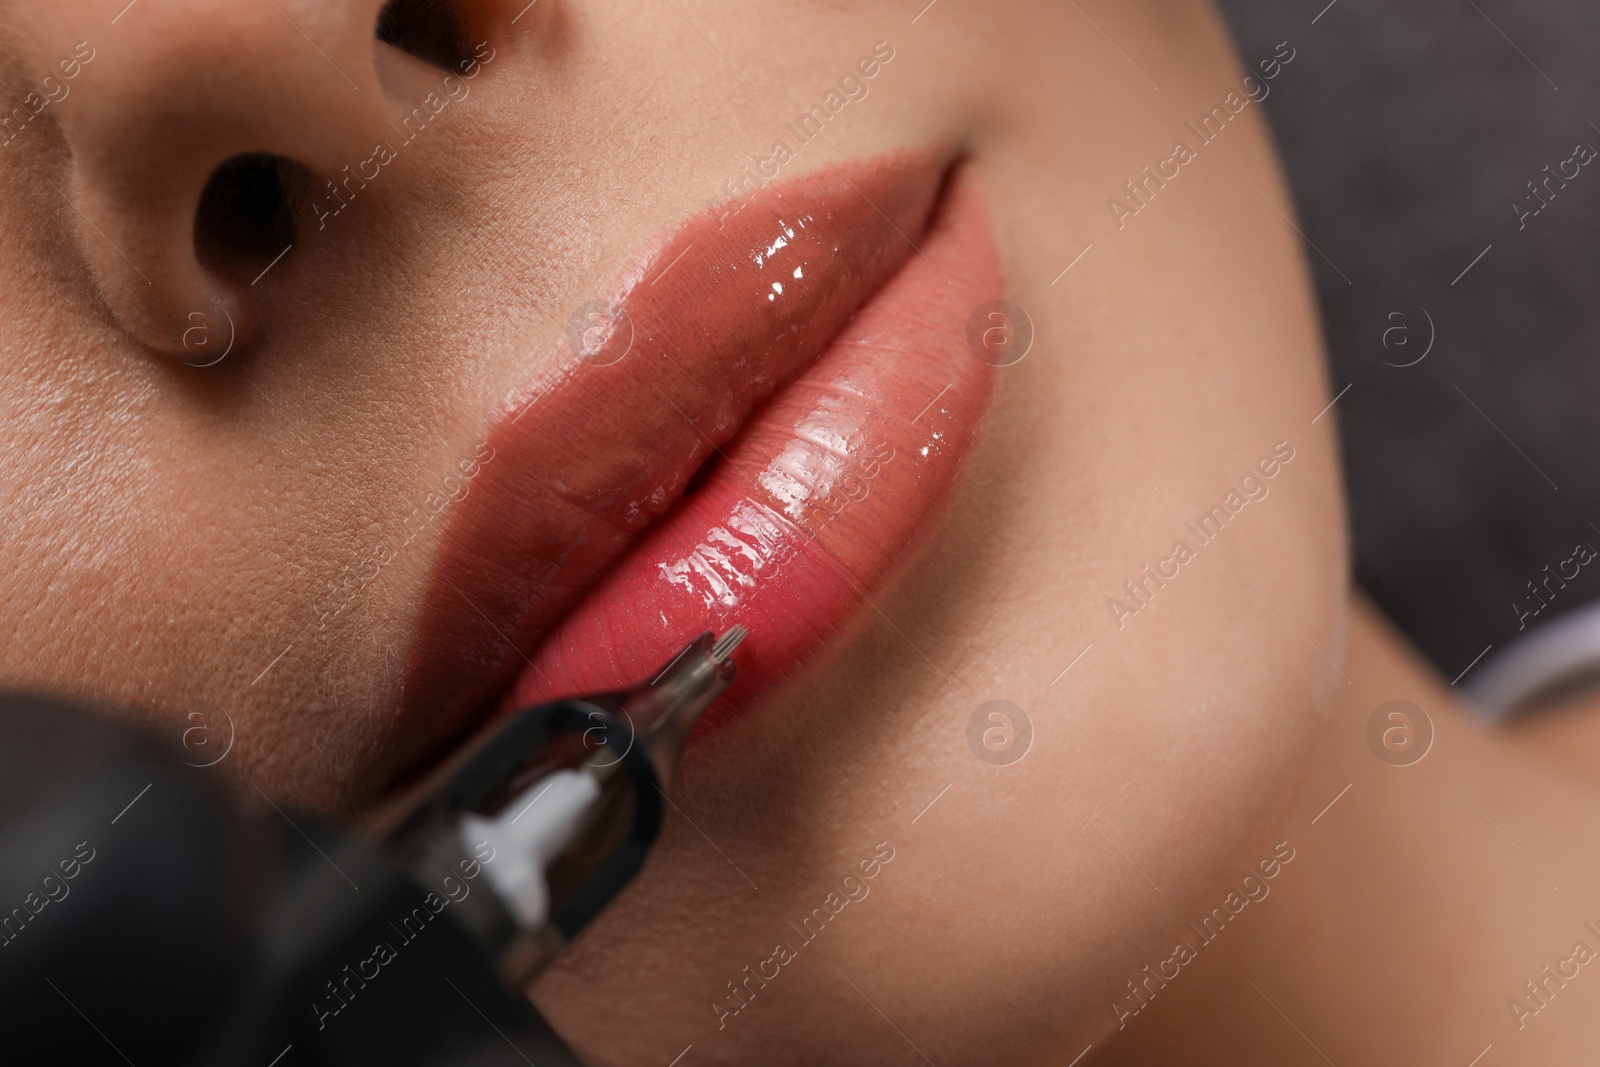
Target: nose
[(187, 118)]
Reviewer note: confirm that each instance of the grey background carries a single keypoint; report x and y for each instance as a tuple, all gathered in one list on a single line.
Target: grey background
[(1408, 130)]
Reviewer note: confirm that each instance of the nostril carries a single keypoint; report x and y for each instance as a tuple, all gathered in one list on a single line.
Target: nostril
[(431, 30), (246, 215)]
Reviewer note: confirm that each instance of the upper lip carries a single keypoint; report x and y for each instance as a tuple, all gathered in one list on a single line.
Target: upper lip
[(587, 457)]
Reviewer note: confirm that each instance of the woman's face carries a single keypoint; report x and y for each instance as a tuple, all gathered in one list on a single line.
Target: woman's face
[(331, 450)]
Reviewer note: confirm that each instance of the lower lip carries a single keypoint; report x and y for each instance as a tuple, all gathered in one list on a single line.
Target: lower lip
[(816, 501)]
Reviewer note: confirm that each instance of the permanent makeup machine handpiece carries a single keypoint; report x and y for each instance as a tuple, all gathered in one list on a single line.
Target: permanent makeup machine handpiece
[(560, 803), (202, 935)]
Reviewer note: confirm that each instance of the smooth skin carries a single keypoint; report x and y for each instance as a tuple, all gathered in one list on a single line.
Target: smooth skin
[(175, 533)]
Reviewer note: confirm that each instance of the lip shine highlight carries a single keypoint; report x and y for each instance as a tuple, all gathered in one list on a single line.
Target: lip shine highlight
[(819, 496), (588, 456)]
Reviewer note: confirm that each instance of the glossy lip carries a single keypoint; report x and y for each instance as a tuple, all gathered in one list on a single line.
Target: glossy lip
[(726, 312)]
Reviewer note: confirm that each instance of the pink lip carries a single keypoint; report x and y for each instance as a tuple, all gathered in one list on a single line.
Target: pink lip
[(803, 345)]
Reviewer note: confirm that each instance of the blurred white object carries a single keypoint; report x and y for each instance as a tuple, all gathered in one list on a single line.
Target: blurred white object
[(1550, 657)]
